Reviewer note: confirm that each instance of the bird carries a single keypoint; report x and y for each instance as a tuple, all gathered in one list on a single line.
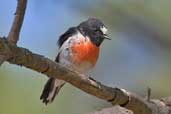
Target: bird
[(79, 49)]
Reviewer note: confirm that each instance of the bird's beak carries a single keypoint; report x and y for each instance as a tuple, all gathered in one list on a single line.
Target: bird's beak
[(104, 31), (106, 37)]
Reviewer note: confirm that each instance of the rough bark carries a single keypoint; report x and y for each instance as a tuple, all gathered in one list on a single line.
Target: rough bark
[(116, 96), (14, 33), (113, 110), (13, 54)]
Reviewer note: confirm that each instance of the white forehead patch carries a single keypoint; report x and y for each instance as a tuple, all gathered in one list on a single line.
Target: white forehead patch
[(104, 30)]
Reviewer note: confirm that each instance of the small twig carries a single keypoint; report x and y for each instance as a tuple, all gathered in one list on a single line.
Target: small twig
[(148, 94), (14, 33)]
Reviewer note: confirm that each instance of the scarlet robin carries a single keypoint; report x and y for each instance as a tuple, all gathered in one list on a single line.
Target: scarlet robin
[(78, 50)]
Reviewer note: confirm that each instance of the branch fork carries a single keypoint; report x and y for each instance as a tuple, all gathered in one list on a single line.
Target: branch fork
[(13, 54)]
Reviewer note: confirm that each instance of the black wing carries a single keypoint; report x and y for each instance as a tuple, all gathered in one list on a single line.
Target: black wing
[(57, 58), (66, 35)]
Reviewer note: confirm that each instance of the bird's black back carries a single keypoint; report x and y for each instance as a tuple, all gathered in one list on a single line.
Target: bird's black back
[(71, 31)]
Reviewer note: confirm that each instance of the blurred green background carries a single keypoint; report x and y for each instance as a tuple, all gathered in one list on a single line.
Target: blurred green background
[(137, 57)]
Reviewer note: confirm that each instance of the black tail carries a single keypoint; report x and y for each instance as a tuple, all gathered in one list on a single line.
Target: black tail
[(51, 89)]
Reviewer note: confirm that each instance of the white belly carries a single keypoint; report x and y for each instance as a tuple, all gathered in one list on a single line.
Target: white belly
[(65, 55)]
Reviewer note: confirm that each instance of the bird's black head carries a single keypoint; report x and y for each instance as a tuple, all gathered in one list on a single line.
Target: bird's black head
[(94, 29)]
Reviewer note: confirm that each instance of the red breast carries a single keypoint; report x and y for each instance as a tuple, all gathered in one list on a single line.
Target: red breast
[(85, 51)]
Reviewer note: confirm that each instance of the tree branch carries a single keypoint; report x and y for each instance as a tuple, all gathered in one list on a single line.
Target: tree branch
[(23, 57), (14, 33), (113, 110), (116, 96)]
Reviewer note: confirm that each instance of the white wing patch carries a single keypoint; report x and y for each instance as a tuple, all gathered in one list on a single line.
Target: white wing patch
[(104, 30)]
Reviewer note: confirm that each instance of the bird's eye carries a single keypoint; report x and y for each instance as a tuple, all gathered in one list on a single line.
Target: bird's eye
[(98, 31)]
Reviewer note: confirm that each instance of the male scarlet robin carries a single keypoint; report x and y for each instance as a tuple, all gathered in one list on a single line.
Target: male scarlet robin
[(78, 50)]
